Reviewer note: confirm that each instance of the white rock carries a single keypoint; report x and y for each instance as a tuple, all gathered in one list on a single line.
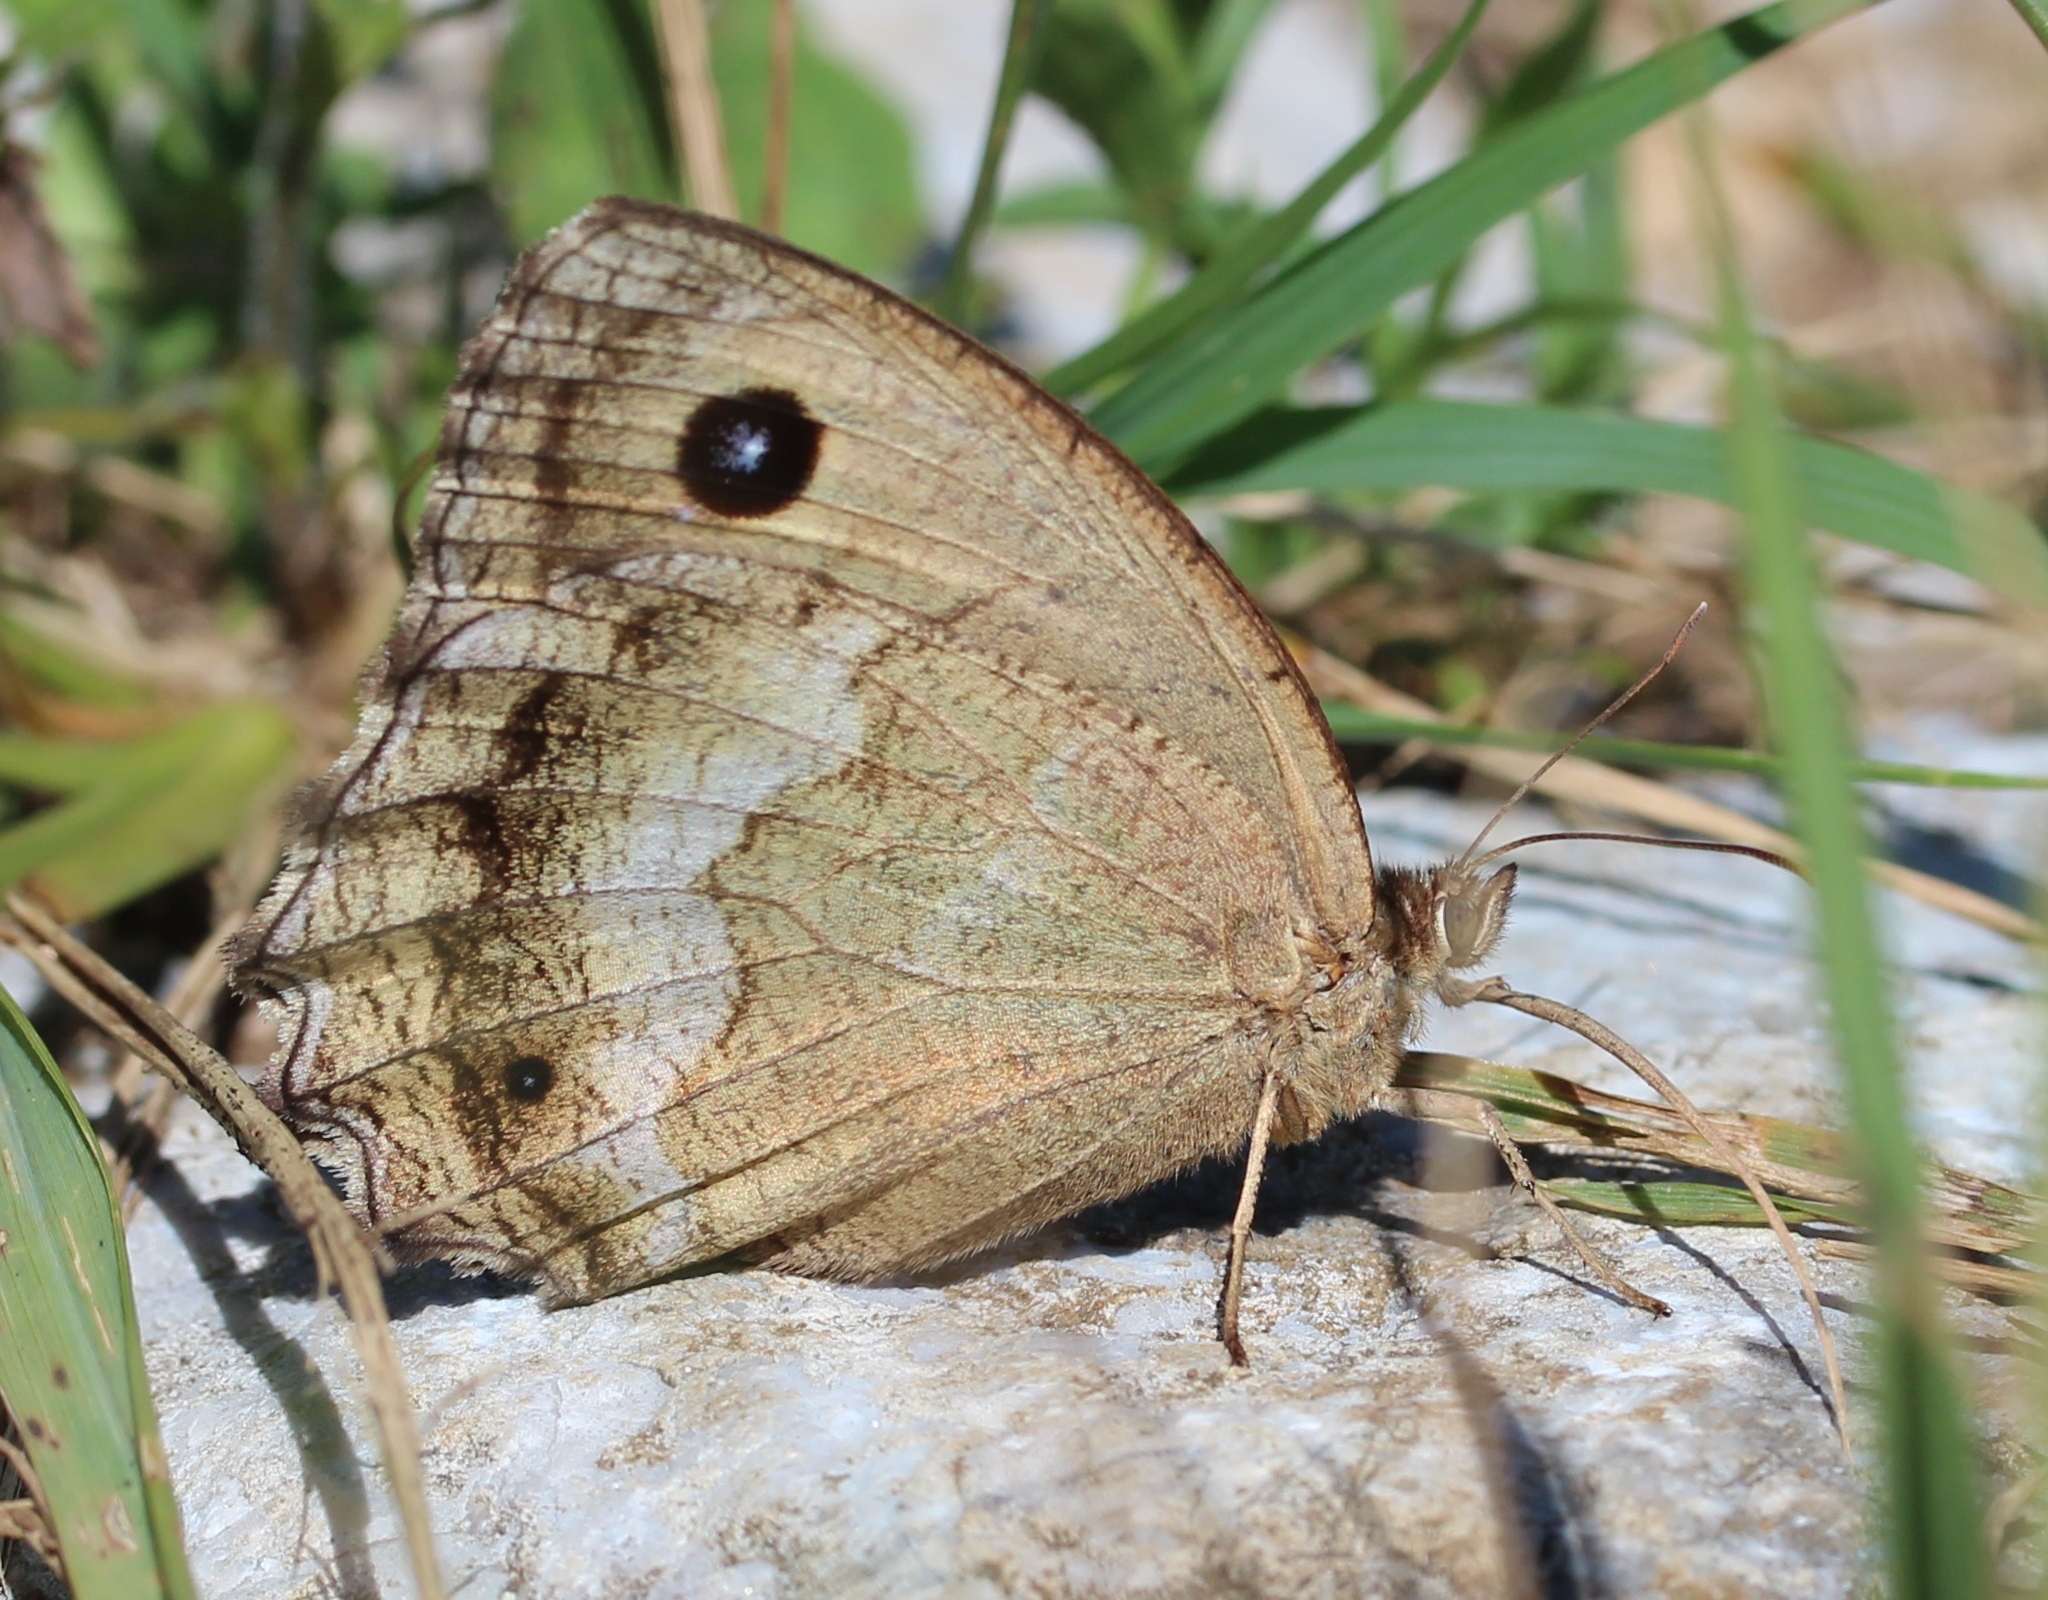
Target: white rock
[(1423, 1418)]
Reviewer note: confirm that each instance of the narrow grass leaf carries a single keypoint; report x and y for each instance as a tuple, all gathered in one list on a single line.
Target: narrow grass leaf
[(1933, 1524), (1356, 725), (70, 1357), (1467, 445), (2035, 14), (1240, 359), (1263, 242), (163, 804), (45, 662), (1020, 56), (1677, 1203)]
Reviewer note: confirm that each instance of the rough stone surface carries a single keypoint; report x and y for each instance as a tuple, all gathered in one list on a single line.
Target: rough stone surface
[(1437, 1407)]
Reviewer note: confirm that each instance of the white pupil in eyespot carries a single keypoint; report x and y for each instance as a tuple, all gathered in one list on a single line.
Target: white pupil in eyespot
[(744, 448)]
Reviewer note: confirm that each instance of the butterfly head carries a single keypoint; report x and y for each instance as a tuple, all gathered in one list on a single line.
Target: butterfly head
[(1430, 922)]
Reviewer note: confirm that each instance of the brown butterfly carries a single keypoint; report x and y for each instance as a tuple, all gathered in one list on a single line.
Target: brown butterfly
[(821, 805)]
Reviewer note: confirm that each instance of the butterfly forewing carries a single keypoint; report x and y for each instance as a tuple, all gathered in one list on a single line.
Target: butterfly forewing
[(819, 800)]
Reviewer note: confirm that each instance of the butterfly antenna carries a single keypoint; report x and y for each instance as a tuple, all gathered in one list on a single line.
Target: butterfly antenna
[(1715, 846), (1464, 863)]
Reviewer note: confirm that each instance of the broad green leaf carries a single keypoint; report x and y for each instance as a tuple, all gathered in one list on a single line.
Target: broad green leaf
[(166, 38), (1247, 355), (1463, 445), (1144, 78), (70, 1357), (161, 805), (366, 33), (852, 176), (578, 111)]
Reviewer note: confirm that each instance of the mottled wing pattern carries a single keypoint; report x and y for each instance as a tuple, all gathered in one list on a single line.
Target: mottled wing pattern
[(819, 801)]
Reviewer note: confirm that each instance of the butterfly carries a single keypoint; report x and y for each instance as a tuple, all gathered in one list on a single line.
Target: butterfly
[(820, 806)]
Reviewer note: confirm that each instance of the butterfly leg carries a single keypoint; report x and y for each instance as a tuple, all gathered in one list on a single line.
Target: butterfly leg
[(1241, 1224), (1589, 1253)]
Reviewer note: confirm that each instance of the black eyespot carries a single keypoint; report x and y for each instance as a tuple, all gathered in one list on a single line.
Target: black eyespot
[(749, 454), (528, 1079)]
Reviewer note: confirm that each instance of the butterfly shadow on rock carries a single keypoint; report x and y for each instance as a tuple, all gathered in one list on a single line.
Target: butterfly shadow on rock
[(1346, 1173)]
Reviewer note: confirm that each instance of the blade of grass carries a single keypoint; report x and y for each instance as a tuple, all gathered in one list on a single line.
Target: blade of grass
[(71, 1357), (1588, 783), (2035, 14), (166, 803), (1265, 241), (1478, 446), (343, 1254), (1675, 1203), (39, 655), (1356, 725), (781, 76), (1240, 359), (1220, 46), (1807, 1164), (1020, 55), (693, 102), (1934, 1511)]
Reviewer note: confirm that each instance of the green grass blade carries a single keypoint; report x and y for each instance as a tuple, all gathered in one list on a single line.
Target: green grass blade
[(1220, 46), (1265, 241), (44, 766), (1933, 1523), (45, 661), (1026, 39), (1238, 361), (70, 1356), (172, 801), (1466, 445), (1356, 725), (2035, 14), (1681, 1204)]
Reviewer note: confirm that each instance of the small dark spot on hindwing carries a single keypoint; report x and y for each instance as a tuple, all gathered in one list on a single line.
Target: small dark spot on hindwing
[(528, 1079)]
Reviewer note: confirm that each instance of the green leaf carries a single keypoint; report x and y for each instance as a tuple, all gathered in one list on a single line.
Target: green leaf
[(1260, 244), (155, 807), (1236, 363), (1059, 205), (1680, 1204), (1219, 46), (366, 33), (578, 111), (34, 655), (1933, 1515), (1121, 70), (1463, 445), (1354, 724), (852, 191), (70, 1357)]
